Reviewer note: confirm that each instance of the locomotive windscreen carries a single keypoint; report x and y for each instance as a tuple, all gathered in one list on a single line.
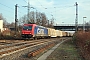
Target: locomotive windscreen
[(27, 27)]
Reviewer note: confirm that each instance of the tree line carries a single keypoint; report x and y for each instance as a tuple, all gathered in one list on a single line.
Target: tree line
[(33, 17), (37, 18)]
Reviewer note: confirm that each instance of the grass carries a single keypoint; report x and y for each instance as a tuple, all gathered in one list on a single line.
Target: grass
[(66, 51)]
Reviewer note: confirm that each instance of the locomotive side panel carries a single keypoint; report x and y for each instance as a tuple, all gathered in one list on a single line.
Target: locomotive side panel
[(40, 31)]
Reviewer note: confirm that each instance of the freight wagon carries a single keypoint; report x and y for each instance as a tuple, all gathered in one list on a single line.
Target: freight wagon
[(59, 33)]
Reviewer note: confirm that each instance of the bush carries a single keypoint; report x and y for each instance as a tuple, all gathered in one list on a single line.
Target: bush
[(9, 35), (83, 42)]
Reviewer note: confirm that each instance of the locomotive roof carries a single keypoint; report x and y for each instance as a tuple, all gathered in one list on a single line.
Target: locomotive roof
[(35, 25)]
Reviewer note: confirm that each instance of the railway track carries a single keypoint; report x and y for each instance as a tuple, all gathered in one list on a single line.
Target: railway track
[(14, 47)]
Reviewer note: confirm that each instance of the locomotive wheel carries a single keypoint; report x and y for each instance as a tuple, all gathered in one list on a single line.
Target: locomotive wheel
[(35, 38)]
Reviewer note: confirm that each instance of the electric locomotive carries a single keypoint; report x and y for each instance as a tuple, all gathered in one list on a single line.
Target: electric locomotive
[(34, 31)]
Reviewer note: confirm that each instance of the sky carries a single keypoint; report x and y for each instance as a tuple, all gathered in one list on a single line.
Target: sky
[(63, 11)]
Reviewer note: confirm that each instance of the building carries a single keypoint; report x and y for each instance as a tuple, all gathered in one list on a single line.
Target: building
[(1, 25)]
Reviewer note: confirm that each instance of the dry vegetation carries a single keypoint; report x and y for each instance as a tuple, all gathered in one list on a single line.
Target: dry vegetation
[(7, 34), (82, 40)]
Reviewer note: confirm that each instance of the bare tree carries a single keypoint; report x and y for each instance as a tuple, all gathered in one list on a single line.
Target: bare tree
[(23, 20), (32, 17), (44, 19), (1, 17), (51, 24), (38, 18)]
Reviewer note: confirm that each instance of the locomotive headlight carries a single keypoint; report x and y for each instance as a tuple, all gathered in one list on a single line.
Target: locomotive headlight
[(30, 33)]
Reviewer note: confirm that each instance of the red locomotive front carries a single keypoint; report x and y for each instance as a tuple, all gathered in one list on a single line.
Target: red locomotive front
[(28, 30)]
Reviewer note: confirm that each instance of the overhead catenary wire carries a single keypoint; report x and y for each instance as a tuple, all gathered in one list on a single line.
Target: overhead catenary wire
[(25, 1), (40, 4), (69, 6), (20, 13), (6, 10), (6, 6), (9, 9), (19, 6)]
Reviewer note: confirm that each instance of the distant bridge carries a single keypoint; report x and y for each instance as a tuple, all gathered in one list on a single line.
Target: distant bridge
[(71, 27)]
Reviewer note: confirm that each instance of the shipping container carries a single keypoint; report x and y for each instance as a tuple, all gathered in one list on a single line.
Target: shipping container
[(57, 33), (61, 33)]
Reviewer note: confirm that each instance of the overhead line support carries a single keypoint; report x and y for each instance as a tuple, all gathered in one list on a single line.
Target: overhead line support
[(16, 20), (76, 20)]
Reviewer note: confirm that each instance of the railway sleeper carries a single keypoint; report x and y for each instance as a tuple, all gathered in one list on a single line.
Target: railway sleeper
[(8, 51), (38, 51)]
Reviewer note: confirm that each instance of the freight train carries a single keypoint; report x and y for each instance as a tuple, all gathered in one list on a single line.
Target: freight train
[(36, 31)]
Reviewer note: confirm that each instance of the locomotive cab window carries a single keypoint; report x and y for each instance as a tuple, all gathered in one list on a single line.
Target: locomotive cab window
[(27, 28)]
